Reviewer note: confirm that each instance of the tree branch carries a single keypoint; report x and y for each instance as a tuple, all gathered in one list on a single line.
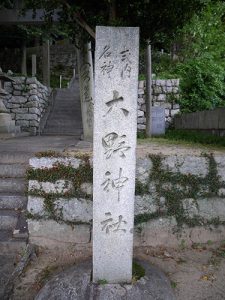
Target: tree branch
[(80, 21)]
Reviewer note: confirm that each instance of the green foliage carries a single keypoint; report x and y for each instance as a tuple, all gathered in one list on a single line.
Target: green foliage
[(138, 271), (48, 153), (163, 66), (202, 85), (55, 82), (102, 281), (202, 59), (173, 284), (204, 33)]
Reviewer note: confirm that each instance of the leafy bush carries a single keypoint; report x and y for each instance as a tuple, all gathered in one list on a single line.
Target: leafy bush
[(202, 63), (202, 84)]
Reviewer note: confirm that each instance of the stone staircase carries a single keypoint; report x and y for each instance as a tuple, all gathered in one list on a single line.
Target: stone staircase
[(65, 117), (13, 202)]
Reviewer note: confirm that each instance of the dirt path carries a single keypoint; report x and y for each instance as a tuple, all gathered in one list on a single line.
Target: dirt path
[(196, 274)]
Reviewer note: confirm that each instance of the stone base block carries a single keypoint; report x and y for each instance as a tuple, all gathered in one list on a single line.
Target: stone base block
[(75, 284), (50, 234)]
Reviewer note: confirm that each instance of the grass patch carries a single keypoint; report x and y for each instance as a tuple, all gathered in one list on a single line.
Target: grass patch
[(173, 284), (195, 137), (138, 271), (186, 137), (102, 281)]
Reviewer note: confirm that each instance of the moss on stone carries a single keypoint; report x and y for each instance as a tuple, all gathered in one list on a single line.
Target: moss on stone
[(175, 186)]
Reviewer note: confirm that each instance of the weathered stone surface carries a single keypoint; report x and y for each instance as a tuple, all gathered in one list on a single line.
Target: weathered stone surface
[(220, 166), (157, 232), (140, 113), (211, 208), (145, 204), (59, 187), (221, 192), (33, 123), (23, 123), (34, 110), (27, 116), (49, 162), (32, 104), (115, 123), (49, 233), (19, 110), (143, 169), (18, 99), (87, 188), (75, 284), (74, 210), (141, 127), (17, 93), (193, 165), (32, 80), (190, 207), (35, 206), (8, 222), (158, 121)]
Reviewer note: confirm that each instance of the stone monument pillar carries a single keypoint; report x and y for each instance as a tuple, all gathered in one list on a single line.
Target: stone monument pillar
[(24, 60), (86, 83), (34, 65), (115, 126)]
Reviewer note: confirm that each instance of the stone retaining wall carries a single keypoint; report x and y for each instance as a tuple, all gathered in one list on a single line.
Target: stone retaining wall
[(27, 101), (165, 93), (180, 200)]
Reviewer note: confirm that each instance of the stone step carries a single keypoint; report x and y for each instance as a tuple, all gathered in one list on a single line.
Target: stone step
[(13, 185), (69, 112), (62, 126), (55, 122), (8, 219), (64, 132), (14, 158), (12, 170), (12, 201), (76, 135), (13, 245)]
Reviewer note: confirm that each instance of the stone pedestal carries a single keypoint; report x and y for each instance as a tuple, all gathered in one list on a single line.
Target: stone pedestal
[(75, 284)]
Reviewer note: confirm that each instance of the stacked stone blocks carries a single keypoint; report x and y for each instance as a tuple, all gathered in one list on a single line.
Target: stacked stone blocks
[(165, 93), (27, 101), (178, 197)]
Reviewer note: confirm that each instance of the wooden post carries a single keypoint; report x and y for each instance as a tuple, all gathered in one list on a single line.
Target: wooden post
[(149, 91), (60, 81), (46, 63)]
